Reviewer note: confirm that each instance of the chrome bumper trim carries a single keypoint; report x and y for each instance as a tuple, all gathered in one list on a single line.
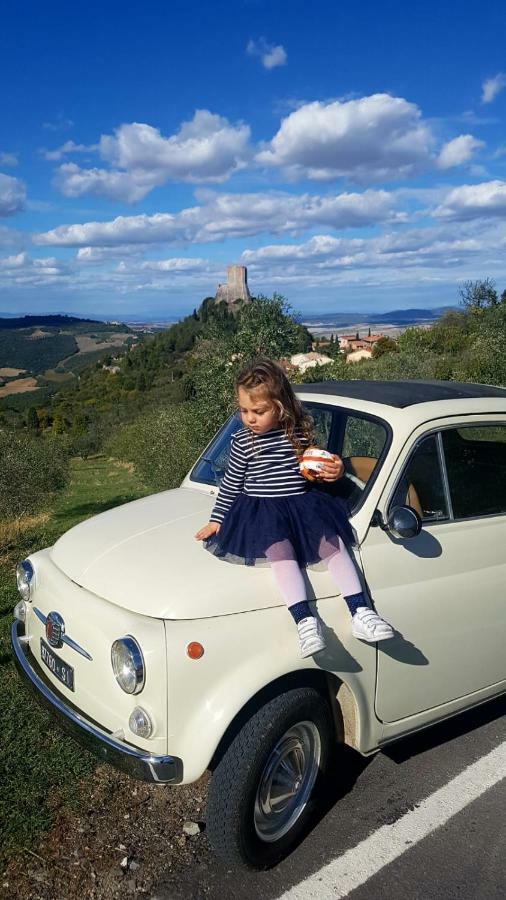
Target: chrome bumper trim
[(138, 763)]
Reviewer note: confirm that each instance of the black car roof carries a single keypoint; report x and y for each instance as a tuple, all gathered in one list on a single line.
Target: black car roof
[(401, 393)]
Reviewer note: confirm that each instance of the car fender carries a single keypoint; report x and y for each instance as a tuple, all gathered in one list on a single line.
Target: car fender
[(245, 655)]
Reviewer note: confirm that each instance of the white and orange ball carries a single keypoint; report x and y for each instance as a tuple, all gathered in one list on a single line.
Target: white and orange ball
[(313, 461)]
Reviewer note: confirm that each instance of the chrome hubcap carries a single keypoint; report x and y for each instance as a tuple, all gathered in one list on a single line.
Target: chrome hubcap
[(287, 781)]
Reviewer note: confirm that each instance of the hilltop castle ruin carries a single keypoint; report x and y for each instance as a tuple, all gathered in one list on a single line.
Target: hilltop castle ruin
[(236, 287)]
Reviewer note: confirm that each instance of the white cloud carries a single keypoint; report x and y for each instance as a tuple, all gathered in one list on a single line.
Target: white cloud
[(206, 149), (472, 201), (175, 264), (98, 255), (271, 55), (73, 181), (12, 195), (458, 151), (66, 148), (22, 269), (232, 215), (8, 160), (366, 140), (492, 87), (423, 255), (121, 230)]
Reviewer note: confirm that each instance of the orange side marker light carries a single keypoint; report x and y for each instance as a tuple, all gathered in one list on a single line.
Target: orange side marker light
[(195, 650)]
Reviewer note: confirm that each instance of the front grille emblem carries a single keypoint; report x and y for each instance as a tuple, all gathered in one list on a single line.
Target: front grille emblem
[(55, 632), (55, 629)]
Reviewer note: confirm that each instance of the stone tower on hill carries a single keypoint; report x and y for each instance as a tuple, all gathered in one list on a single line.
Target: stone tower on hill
[(236, 287)]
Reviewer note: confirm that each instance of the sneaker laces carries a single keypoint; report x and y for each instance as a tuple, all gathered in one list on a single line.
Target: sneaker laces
[(370, 619), (307, 627)]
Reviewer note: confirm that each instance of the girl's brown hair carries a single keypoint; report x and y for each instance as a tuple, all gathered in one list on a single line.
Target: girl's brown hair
[(268, 378)]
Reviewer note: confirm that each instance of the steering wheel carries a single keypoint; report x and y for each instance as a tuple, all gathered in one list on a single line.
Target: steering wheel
[(354, 480)]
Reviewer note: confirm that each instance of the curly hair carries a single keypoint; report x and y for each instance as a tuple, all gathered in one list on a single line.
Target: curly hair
[(268, 378)]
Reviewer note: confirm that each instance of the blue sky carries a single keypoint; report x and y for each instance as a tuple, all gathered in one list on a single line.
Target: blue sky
[(352, 158)]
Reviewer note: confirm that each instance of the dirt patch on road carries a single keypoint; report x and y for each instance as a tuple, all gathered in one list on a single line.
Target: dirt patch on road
[(21, 386), (125, 837)]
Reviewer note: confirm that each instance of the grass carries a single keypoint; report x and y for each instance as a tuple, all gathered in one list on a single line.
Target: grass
[(41, 768)]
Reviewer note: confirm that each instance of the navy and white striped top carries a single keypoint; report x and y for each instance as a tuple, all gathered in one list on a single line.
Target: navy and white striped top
[(261, 465)]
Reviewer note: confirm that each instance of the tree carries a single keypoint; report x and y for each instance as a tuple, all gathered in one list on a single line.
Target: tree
[(58, 425), (478, 295), (32, 470), (140, 384), (265, 327), (32, 420), (384, 345)]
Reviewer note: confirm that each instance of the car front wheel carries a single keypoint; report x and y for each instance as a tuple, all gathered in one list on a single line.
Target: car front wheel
[(266, 785)]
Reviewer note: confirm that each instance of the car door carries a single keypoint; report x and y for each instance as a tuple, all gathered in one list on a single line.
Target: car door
[(444, 591)]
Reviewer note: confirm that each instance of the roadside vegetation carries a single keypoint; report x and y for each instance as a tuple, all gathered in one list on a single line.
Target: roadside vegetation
[(42, 769)]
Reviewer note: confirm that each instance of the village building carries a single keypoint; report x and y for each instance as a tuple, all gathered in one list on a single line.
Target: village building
[(352, 342), (303, 361), (357, 355)]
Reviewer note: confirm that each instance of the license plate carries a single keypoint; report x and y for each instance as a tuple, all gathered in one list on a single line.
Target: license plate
[(60, 669)]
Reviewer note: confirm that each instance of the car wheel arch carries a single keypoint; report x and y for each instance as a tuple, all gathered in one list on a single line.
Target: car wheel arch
[(336, 692)]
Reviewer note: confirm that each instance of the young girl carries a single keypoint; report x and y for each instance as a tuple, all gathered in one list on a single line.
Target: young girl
[(267, 511)]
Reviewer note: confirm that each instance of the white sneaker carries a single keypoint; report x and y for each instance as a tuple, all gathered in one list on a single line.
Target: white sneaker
[(310, 636), (368, 626)]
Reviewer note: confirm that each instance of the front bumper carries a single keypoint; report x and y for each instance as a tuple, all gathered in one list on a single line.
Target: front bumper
[(138, 763)]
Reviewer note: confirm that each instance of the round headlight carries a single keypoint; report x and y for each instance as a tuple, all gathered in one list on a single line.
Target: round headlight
[(24, 578), (140, 722), (128, 665)]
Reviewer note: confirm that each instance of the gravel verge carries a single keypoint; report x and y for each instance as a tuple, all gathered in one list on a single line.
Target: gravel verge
[(121, 841)]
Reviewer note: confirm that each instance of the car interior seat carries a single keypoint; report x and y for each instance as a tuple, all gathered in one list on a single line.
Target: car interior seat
[(363, 467)]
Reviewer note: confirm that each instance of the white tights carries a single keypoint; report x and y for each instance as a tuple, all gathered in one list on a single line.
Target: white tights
[(289, 578)]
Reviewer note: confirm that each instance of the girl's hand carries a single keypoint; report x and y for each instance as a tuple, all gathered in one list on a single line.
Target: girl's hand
[(207, 531), (332, 470)]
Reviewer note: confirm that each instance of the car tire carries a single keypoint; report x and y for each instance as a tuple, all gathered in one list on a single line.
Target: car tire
[(266, 786)]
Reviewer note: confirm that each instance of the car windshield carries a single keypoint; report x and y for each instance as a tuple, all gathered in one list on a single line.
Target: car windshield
[(361, 440)]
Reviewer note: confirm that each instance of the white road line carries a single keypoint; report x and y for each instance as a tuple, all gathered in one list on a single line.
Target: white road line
[(357, 865)]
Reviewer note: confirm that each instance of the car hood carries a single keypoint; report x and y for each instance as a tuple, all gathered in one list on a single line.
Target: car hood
[(143, 556)]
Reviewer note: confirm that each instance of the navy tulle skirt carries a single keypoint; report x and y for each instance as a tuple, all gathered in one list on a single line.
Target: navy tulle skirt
[(253, 524)]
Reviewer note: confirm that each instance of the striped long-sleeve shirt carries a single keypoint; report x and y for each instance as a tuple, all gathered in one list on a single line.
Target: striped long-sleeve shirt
[(263, 465)]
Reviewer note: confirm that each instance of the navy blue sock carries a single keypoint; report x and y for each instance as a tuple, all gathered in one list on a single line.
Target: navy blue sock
[(300, 611), (354, 601)]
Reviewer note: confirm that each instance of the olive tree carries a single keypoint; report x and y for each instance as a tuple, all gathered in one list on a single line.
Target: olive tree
[(33, 469)]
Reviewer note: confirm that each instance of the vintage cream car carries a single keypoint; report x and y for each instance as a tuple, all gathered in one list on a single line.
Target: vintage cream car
[(169, 662)]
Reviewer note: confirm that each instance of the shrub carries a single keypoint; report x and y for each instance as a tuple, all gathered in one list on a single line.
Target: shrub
[(163, 444), (32, 470)]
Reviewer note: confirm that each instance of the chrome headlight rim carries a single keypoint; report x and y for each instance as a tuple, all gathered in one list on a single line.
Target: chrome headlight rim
[(136, 658), (25, 575)]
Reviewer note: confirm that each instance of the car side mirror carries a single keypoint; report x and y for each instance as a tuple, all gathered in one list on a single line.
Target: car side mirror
[(404, 522)]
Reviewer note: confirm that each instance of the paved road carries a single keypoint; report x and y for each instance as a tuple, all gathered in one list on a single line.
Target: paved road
[(415, 785)]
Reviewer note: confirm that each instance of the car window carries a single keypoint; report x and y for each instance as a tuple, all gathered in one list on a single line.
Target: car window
[(322, 419), (363, 437), (475, 459), (211, 466), (421, 484), (360, 440)]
